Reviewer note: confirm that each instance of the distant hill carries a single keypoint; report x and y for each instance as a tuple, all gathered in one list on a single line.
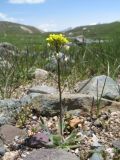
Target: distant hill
[(20, 35), (15, 28), (101, 31)]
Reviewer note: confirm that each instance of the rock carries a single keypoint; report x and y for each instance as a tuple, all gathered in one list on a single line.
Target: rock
[(39, 140), (116, 144), (7, 50), (8, 110), (104, 117), (76, 112), (51, 154), (95, 142), (48, 104), (74, 122), (52, 64), (2, 148), (98, 123), (110, 151), (41, 74), (27, 99), (96, 156), (9, 132), (11, 155), (94, 117), (7, 45), (44, 89), (4, 64), (111, 89)]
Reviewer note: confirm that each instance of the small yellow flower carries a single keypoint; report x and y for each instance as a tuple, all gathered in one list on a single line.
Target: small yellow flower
[(57, 41)]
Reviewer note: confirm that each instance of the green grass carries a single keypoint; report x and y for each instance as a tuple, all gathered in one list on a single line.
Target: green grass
[(13, 33), (22, 40), (84, 61)]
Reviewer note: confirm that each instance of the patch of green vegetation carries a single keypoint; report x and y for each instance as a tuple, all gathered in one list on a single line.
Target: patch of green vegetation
[(84, 61), (20, 35)]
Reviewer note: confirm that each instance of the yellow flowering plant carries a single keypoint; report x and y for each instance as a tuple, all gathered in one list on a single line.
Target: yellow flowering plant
[(57, 41)]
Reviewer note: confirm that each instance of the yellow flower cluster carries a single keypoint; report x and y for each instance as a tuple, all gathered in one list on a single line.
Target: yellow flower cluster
[(57, 40)]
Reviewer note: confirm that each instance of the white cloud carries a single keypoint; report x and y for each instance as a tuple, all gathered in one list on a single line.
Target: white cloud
[(26, 1), (48, 27), (51, 27), (94, 23), (5, 17)]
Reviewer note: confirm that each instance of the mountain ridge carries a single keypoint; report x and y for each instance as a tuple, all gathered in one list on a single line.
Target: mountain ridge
[(17, 28), (104, 30)]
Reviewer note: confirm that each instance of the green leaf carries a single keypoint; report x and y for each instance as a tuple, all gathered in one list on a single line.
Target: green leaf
[(56, 139)]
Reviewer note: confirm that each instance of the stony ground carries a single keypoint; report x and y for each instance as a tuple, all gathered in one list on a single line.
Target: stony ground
[(88, 135), (91, 135)]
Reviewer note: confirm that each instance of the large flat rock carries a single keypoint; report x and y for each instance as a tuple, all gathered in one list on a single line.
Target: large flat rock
[(50, 154), (47, 104), (44, 89), (9, 132)]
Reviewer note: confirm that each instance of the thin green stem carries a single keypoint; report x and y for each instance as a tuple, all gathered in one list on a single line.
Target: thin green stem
[(60, 96)]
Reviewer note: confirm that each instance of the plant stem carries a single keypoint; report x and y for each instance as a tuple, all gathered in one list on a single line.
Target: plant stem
[(60, 96)]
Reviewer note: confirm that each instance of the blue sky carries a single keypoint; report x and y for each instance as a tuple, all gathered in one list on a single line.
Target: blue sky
[(59, 14)]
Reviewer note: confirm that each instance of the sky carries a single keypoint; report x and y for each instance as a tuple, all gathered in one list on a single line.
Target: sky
[(57, 15)]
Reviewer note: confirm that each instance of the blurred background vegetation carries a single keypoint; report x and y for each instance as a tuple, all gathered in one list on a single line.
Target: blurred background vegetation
[(84, 60)]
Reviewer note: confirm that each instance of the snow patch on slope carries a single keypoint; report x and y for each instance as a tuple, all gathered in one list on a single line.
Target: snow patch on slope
[(26, 29)]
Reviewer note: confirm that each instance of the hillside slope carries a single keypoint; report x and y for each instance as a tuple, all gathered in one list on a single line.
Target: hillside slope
[(15, 28), (19, 34), (107, 30)]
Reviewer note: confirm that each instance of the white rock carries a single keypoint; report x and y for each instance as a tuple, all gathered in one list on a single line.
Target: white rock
[(41, 74), (95, 141), (110, 151), (11, 155)]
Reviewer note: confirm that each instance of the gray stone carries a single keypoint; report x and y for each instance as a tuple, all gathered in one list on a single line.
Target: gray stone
[(7, 49), (8, 109), (25, 100), (96, 156), (48, 105), (44, 89), (116, 144), (9, 104), (111, 89), (52, 64), (40, 74), (4, 64), (2, 148), (95, 143), (7, 45), (98, 123), (9, 132), (50, 154)]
